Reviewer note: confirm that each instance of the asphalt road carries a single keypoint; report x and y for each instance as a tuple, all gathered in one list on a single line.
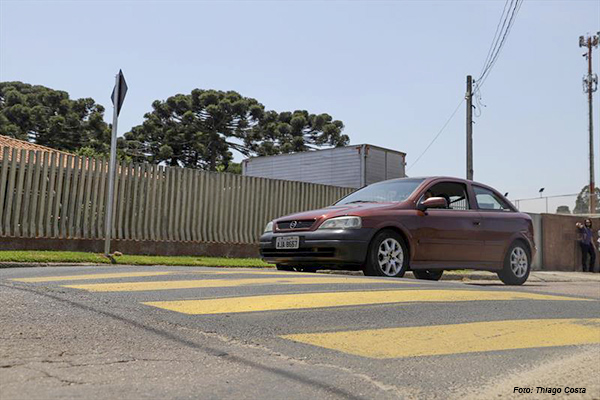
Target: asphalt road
[(206, 333)]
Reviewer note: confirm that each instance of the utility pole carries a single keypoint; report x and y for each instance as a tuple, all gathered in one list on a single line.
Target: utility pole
[(469, 98), (590, 84)]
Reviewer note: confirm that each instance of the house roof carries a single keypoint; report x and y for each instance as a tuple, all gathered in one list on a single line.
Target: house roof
[(7, 141)]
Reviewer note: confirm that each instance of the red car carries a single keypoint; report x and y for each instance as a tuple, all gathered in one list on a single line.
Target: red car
[(426, 225)]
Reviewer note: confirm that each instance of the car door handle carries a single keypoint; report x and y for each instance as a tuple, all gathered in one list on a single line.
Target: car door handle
[(477, 223)]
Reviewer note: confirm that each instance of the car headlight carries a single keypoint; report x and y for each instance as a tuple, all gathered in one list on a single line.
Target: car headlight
[(269, 227), (342, 223)]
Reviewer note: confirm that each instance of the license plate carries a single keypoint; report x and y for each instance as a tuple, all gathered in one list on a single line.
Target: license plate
[(287, 242)]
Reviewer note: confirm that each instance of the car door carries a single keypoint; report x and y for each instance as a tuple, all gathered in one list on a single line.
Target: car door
[(498, 223), (452, 234)]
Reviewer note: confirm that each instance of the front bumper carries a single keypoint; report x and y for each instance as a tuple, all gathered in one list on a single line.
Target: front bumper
[(343, 247)]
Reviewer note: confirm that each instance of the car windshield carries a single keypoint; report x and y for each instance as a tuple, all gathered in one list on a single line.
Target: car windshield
[(383, 192)]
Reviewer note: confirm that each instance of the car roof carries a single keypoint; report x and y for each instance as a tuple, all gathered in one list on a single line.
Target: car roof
[(430, 178), (427, 179)]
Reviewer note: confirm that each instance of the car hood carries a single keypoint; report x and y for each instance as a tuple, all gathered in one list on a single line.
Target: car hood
[(358, 209)]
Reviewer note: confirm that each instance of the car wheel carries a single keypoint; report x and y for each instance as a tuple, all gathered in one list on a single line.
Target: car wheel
[(429, 275), (284, 267), (517, 265), (388, 255)]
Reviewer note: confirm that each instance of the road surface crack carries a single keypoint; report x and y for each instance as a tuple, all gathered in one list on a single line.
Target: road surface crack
[(46, 374), (257, 346)]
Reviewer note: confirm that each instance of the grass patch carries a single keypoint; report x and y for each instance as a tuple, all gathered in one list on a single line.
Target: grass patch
[(81, 257), (189, 260), (52, 257)]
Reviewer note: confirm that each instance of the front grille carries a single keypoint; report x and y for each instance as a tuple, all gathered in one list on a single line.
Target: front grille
[(307, 252), (300, 224)]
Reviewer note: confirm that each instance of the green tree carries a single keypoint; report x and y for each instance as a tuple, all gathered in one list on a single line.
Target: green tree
[(88, 151), (582, 201), (50, 118), (232, 168), (200, 130), (292, 132), (196, 130)]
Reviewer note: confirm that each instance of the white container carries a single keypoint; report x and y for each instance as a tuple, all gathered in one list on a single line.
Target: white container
[(350, 166)]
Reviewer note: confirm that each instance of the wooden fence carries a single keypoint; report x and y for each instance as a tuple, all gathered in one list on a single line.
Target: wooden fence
[(46, 195)]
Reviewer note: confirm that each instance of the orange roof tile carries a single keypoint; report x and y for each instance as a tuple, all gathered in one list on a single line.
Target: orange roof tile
[(7, 141)]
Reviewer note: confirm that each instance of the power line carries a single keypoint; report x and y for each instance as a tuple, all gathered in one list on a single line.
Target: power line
[(499, 43), (511, 7), (496, 35), (438, 134)]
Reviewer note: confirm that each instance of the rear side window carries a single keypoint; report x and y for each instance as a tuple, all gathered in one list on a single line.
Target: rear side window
[(488, 200)]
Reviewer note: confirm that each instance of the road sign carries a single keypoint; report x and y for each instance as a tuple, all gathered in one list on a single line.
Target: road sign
[(121, 90)]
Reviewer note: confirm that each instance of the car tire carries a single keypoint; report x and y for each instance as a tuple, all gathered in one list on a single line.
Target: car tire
[(284, 268), (387, 256), (429, 275), (517, 264)]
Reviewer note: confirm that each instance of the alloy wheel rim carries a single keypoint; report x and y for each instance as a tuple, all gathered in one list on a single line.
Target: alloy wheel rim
[(519, 262), (390, 257)]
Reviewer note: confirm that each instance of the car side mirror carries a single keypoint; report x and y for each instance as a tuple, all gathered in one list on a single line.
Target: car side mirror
[(433, 202)]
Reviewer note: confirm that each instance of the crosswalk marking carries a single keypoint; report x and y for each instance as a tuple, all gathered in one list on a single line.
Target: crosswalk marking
[(459, 338), (251, 271), (335, 299), (218, 283), (92, 276)]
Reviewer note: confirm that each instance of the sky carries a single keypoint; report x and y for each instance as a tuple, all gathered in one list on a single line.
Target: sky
[(392, 71)]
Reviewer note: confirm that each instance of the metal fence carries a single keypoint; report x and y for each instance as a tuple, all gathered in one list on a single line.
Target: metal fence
[(559, 204), (61, 196)]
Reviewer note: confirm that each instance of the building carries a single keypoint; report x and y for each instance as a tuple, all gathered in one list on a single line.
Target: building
[(350, 166)]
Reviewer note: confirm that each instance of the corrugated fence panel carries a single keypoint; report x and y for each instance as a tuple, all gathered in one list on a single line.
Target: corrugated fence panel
[(121, 199), (64, 203), (48, 223), (159, 204), (10, 193), (3, 183), (64, 196), (19, 191), (29, 167), (71, 214), (42, 199)]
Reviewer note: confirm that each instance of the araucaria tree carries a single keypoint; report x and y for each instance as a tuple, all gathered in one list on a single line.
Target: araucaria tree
[(201, 129), (50, 118), (292, 132)]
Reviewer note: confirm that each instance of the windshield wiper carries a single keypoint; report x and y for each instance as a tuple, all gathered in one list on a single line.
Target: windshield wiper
[(360, 201)]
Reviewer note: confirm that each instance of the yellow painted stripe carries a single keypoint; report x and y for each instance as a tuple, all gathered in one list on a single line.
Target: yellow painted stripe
[(336, 299), (92, 276), (215, 283), (460, 338), (251, 271)]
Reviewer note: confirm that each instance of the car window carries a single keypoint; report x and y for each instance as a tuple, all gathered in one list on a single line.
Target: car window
[(455, 193), (488, 200), (383, 192)]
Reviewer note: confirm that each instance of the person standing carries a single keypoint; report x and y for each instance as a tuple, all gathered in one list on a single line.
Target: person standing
[(586, 242)]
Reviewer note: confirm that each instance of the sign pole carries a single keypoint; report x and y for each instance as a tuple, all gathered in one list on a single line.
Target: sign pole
[(111, 168)]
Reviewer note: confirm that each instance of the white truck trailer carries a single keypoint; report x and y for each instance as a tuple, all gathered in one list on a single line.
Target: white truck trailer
[(351, 166)]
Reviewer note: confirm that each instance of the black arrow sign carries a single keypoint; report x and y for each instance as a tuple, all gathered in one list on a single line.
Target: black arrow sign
[(122, 92)]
